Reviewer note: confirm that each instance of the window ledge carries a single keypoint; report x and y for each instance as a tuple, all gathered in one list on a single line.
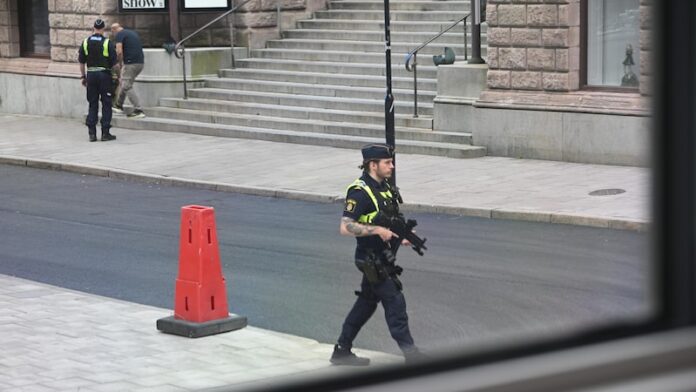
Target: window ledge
[(599, 102), (40, 67)]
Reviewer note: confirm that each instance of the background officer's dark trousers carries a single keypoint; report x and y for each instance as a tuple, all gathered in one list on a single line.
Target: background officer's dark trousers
[(394, 305), (99, 85)]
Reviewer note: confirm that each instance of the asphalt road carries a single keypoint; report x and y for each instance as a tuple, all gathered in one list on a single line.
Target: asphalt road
[(288, 269)]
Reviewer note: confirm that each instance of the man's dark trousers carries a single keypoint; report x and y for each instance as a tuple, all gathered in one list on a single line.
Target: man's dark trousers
[(394, 311), (99, 85)]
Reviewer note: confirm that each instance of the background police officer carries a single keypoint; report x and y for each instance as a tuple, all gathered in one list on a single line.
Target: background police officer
[(98, 55), (365, 197)]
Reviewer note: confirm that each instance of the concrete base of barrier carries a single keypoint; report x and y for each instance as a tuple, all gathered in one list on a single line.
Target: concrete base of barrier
[(196, 330)]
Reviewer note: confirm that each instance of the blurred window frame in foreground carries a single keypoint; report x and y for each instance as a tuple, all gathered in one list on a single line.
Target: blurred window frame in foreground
[(658, 353)]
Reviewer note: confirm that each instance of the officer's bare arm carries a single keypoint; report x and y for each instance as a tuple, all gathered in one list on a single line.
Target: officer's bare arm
[(352, 228)]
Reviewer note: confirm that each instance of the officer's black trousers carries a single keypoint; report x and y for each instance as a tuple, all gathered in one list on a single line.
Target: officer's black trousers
[(394, 305), (99, 85)]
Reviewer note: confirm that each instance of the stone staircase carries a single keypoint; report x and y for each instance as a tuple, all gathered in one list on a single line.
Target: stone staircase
[(323, 83)]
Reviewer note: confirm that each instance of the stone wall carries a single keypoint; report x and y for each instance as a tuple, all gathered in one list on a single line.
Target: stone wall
[(533, 46), (9, 29), (71, 20)]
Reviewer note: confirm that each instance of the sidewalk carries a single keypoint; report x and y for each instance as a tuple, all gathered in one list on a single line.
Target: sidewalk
[(54, 339), (490, 187)]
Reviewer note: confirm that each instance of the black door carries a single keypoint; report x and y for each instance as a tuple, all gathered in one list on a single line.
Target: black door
[(34, 40)]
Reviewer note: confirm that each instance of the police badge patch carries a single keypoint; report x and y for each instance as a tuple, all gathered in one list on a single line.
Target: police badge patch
[(350, 205)]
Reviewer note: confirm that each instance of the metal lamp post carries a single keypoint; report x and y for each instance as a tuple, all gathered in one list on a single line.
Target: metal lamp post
[(389, 98), (476, 33)]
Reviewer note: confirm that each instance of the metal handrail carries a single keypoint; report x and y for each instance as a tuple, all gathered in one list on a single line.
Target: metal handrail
[(180, 49), (412, 56)]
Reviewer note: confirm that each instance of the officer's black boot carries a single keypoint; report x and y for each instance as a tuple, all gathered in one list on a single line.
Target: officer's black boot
[(106, 136), (92, 134), (343, 356)]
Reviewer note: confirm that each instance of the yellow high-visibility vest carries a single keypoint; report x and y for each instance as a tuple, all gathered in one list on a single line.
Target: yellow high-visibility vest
[(367, 218)]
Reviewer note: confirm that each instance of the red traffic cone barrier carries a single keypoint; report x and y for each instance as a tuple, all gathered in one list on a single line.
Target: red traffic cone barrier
[(200, 300)]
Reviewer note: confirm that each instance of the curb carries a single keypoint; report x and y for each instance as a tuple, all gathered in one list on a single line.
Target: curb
[(488, 213)]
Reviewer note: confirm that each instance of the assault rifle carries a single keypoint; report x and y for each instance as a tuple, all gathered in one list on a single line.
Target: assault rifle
[(392, 219)]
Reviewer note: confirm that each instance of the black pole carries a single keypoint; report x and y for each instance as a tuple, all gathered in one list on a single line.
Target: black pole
[(174, 23), (389, 98), (475, 33)]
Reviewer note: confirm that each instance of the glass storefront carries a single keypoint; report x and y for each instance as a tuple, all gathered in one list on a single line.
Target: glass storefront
[(613, 48)]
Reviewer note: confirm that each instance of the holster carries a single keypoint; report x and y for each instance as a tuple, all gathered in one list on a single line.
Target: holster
[(370, 265), (378, 267)]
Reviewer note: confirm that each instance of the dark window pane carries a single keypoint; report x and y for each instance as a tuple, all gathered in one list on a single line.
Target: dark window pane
[(34, 27)]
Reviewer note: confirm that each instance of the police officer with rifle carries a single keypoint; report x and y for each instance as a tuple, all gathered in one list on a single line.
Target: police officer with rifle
[(371, 214)]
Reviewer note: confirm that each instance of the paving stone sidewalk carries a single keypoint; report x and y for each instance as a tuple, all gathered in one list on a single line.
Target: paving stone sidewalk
[(492, 187), (54, 339)]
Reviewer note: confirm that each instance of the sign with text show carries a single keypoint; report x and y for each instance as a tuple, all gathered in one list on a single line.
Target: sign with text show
[(142, 5)]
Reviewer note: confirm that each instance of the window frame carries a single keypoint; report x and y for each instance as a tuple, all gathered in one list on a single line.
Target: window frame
[(23, 7), (584, 45), (673, 231)]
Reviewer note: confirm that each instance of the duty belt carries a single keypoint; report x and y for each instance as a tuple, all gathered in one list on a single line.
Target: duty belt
[(98, 69)]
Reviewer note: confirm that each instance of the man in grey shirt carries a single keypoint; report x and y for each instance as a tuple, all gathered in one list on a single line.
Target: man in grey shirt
[(130, 55)]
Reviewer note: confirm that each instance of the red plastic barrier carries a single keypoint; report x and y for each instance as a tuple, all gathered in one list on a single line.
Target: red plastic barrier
[(200, 287)]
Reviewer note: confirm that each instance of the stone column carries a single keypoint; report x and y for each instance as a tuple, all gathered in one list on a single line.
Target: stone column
[(646, 60), (533, 46), (70, 21), (9, 29)]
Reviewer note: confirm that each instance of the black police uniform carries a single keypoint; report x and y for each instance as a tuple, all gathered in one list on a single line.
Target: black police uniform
[(99, 55), (387, 290)]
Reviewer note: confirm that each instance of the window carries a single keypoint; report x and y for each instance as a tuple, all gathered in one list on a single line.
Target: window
[(34, 28), (613, 47)]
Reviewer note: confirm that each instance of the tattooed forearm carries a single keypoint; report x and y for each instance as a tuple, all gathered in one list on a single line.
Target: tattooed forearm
[(357, 229)]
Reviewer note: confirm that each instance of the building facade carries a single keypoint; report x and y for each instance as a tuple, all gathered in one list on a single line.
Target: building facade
[(53, 28), (566, 80)]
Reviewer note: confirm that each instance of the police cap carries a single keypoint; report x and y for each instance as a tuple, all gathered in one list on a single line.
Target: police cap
[(376, 151), (99, 24)]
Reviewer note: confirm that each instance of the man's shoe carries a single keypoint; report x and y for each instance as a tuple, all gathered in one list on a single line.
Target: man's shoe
[(414, 356), (107, 136), (117, 109), (343, 356), (136, 114), (92, 138)]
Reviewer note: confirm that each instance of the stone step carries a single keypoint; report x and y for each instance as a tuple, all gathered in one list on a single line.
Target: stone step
[(319, 90), (328, 78), (316, 89), (298, 112), (376, 25), (363, 46), (306, 125), (341, 141), (394, 5), (378, 36), (394, 16), (398, 59), (339, 103), (424, 71)]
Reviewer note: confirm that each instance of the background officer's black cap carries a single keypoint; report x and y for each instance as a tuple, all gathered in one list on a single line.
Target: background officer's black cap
[(99, 24), (376, 151)]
